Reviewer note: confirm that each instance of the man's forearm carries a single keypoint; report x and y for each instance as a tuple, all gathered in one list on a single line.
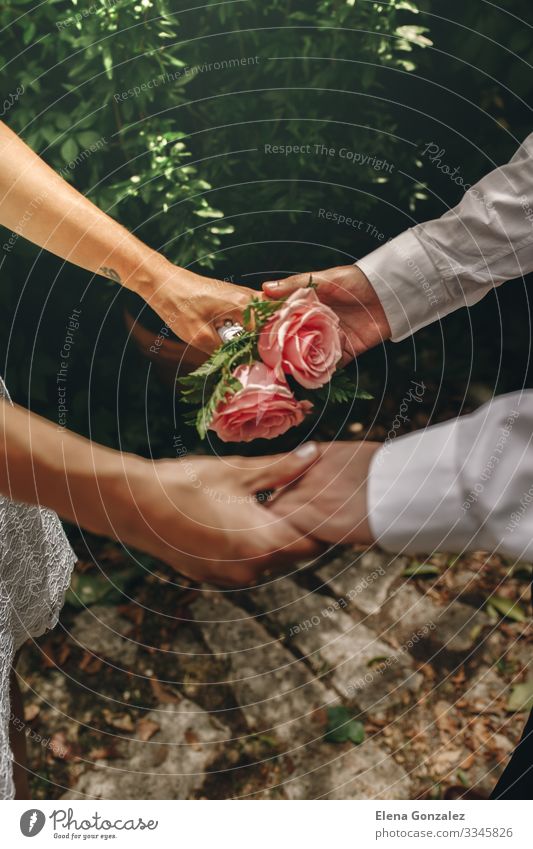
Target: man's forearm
[(462, 485), (439, 266), (39, 205), (85, 483)]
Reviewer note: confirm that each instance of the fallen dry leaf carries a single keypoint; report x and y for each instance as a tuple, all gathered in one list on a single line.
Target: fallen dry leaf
[(132, 612), (47, 656), (192, 739), (158, 754), (63, 654), (90, 664), (445, 760), (103, 753), (460, 677), (163, 694), (61, 748), (31, 711), (120, 721), (146, 729), (444, 719), (467, 761), (501, 745)]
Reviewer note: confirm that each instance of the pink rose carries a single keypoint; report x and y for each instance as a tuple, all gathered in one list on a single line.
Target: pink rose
[(303, 338), (263, 408)]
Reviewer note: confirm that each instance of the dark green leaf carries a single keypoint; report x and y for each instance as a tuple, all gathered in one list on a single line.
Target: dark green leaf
[(341, 727), (463, 778), (521, 698), (87, 589), (29, 32), (88, 137), (507, 607), (69, 150), (421, 570)]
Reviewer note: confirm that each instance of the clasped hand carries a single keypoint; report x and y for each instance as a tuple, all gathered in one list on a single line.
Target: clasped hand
[(202, 515)]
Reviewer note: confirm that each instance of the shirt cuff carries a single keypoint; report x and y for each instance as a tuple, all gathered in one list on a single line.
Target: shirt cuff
[(406, 282), (415, 494)]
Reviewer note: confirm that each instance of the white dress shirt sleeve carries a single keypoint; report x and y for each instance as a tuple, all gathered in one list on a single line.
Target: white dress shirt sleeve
[(466, 484), (453, 261)]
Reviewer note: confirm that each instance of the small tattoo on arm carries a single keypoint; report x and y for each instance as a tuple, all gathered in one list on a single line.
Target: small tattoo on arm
[(110, 273)]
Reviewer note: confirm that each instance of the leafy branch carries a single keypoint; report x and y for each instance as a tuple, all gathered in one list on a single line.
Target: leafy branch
[(214, 379), (340, 389)]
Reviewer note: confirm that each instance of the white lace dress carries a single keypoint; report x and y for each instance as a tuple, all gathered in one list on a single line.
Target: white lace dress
[(36, 563)]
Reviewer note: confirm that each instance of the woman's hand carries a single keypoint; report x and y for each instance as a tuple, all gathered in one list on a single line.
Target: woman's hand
[(202, 515), (69, 225), (194, 306), (349, 293)]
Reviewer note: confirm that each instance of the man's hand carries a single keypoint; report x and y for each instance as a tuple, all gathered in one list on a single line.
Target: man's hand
[(347, 291), (329, 502), (203, 517)]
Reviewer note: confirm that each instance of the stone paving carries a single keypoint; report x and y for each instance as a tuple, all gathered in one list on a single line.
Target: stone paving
[(243, 703)]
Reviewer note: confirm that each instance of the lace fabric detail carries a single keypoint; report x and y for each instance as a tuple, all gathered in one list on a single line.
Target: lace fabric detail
[(36, 563)]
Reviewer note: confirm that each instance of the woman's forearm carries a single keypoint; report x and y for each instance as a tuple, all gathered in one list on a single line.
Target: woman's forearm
[(39, 205), (85, 483)]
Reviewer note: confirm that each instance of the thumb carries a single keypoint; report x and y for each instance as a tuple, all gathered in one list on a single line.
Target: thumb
[(259, 473), (281, 288)]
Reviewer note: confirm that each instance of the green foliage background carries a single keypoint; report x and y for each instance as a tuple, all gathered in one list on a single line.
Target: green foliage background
[(183, 163)]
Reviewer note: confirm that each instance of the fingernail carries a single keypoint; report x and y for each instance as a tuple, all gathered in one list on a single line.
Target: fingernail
[(307, 450), (273, 284)]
